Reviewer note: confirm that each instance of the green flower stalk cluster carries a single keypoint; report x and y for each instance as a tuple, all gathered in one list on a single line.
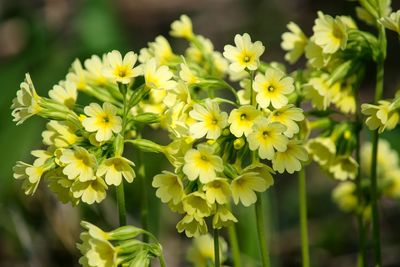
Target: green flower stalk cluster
[(117, 248)]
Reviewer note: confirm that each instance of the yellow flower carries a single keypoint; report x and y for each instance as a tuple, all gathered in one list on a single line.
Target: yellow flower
[(345, 197), (79, 164), (78, 75), (201, 252), (94, 67), (289, 116), (202, 163), (316, 58), (31, 176), (272, 87), (244, 187), (382, 116), (192, 225), (210, 119), (103, 121), (114, 169), (391, 22), (90, 191), (320, 93), (343, 168), (346, 101), (176, 151), (187, 75), (330, 33), (25, 104), (160, 49), (158, 77), (121, 69), (294, 42), (60, 185), (223, 218), (180, 93), (290, 159), (60, 134), (242, 120), (267, 137), (96, 252), (217, 191), (64, 93), (245, 55), (322, 149), (169, 187), (182, 28), (195, 204)]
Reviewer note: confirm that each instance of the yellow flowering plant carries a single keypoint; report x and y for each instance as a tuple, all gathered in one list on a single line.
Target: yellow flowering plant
[(234, 123)]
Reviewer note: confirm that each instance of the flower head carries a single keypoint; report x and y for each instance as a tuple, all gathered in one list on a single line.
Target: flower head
[(272, 88), (202, 163), (288, 116), (290, 159), (330, 33), (391, 22), (79, 164), (322, 149), (90, 191), (345, 196), (242, 119), (382, 116), (210, 120), (169, 187), (245, 55), (217, 191), (158, 77), (114, 169), (192, 226), (64, 93), (223, 218), (60, 134), (267, 137), (201, 252), (25, 104), (182, 28), (343, 168), (104, 121), (294, 42), (121, 69)]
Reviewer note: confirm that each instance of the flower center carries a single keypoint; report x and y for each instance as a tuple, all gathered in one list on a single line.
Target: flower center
[(243, 117), (271, 88), (265, 134), (246, 59), (204, 158), (105, 119), (337, 33)]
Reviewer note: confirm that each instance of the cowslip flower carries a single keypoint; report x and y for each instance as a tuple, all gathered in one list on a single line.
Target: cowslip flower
[(169, 187), (289, 116), (210, 120), (97, 252), (330, 33), (290, 159), (25, 104), (382, 116), (160, 49), (322, 149), (60, 134), (321, 93), (217, 191), (391, 22), (79, 164), (113, 169), (245, 55), (202, 163), (90, 191), (343, 168), (294, 42), (187, 75), (157, 77), (196, 204), (192, 226), (78, 75), (267, 137), (345, 196), (182, 28), (102, 120), (30, 174), (121, 69), (272, 88), (94, 67), (245, 185), (315, 56), (242, 119), (223, 218), (65, 93)]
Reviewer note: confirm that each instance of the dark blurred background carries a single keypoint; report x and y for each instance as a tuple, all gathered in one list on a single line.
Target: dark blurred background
[(43, 37)]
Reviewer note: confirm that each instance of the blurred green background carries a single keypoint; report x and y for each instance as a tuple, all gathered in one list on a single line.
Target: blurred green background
[(43, 37)]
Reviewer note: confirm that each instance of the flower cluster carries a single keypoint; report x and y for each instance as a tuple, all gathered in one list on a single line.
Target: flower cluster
[(225, 155), (116, 248)]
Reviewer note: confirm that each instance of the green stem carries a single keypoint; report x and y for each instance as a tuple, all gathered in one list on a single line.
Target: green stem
[(360, 198), (121, 204), (261, 232), (144, 213), (162, 260), (235, 246), (303, 219), (375, 138), (216, 248)]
